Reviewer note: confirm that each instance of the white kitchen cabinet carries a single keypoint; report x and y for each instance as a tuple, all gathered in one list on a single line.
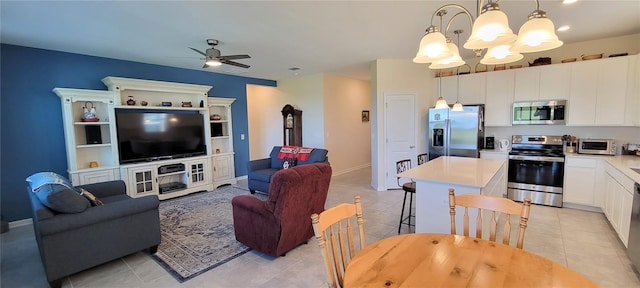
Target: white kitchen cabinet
[(446, 88), (554, 82), (618, 201), (599, 92), (472, 88), (469, 89), (527, 84), (548, 82), (580, 180), (499, 98)]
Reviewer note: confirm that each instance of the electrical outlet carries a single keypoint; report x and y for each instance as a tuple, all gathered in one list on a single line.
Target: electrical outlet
[(241, 136)]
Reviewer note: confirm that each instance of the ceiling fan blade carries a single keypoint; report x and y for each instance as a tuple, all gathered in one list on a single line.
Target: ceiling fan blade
[(234, 63), (198, 51), (235, 57)]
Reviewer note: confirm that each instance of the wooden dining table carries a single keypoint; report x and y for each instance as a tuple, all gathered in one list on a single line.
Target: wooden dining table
[(445, 260)]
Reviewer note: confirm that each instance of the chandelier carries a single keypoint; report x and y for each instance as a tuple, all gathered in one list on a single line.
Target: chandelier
[(490, 31)]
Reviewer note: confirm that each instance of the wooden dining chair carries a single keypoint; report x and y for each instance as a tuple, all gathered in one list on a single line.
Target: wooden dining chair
[(334, 233), (504, 206)]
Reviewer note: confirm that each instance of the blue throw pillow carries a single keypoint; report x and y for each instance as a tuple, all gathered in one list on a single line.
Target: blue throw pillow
[(57, 193)]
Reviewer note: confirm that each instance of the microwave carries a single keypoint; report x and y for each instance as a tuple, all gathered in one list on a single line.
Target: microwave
[(597, 146), (550, 112)]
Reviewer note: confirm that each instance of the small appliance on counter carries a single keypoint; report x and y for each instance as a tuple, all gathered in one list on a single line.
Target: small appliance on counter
[(631, 149), (489, 143), (597, 146)]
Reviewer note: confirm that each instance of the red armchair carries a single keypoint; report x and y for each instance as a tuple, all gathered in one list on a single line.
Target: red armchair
[(282, 222)]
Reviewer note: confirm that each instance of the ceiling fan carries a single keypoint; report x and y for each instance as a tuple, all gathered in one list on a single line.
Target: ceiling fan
[(213, 57)]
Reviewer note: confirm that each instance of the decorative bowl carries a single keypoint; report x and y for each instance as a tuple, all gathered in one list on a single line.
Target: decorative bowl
[(568, 60), (592, 56), (95, 119)]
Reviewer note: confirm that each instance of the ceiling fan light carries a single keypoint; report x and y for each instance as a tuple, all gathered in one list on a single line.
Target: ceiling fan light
[(213, 62), (433, 47), (490, 29), (537, 34), (450, 62), (500, 55), (441, 103)]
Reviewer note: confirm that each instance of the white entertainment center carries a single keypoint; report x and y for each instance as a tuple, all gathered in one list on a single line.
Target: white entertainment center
[(93, 152)]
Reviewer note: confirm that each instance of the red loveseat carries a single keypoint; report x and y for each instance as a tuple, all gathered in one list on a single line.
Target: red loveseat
[(282, 222)]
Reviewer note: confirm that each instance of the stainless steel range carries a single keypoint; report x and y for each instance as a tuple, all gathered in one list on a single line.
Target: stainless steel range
[(536, 169)]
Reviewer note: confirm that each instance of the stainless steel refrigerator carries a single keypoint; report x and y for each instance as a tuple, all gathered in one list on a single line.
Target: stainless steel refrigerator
[(456, 133)]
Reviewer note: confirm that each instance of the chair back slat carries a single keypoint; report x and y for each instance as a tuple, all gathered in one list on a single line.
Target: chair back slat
[(335, 238), (499, 208), (479, 224)]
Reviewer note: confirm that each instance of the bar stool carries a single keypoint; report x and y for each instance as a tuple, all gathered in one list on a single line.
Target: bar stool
[(409, 188), (423, 158)]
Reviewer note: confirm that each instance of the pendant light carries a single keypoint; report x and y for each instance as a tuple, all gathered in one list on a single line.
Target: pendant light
[(490, 29), (537, 34), (457, 107), (433, 46), (441, 103), (455, 60), (500, 55)]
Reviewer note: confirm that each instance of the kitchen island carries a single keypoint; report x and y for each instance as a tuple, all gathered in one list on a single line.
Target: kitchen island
[(465, 175)]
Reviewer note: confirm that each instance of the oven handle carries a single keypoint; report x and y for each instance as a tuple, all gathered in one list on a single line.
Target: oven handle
[(537, 158)]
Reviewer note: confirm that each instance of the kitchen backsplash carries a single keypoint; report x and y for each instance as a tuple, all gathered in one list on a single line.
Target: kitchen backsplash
[(622, 135)]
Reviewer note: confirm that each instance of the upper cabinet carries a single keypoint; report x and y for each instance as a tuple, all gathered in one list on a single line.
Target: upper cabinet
[(499, 97), (469, 89), (599, 93), (549, 82)]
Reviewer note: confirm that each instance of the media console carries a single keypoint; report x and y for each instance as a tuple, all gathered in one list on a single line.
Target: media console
[(168, 178)]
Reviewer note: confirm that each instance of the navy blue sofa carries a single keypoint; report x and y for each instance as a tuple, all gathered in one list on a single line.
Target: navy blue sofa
[(261, 170)]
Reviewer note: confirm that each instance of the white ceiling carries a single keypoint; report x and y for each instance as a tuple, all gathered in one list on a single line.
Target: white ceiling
[(339, 37)]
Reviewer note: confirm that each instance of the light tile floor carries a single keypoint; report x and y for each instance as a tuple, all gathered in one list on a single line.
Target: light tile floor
[(581, 240)]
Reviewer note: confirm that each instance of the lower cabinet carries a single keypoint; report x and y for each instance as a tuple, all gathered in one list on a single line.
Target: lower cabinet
[(618, 201), (168, 179), (580, 181), (223, 171)]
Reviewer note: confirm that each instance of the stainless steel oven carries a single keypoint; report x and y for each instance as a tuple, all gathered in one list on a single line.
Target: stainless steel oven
[(536, 169)]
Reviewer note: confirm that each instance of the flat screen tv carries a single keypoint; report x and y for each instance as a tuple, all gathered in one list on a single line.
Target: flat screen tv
[(148, 135)]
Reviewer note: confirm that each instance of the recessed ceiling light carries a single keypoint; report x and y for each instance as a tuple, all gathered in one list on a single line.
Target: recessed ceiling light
[(563, 28), (569, 1)]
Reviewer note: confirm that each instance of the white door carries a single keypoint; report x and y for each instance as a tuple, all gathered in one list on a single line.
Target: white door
[(400, 134)]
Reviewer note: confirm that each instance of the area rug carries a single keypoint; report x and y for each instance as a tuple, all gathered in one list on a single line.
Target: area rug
[(197, 232)]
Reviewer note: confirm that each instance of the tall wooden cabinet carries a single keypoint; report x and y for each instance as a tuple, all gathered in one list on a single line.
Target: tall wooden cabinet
[(89, 160), (220, 121), (291, 126)]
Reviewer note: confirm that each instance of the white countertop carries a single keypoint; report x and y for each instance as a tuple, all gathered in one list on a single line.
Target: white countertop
[(623, 163), (465, 171), (494, 151)]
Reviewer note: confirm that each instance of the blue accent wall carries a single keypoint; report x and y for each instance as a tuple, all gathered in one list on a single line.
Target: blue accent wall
[(32, 138)]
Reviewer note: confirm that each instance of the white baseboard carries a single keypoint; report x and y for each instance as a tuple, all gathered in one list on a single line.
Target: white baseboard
[(351, 169), (20, 223), (242, 178)]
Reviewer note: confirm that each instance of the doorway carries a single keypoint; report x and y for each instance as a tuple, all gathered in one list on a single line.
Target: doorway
[(400, 134)]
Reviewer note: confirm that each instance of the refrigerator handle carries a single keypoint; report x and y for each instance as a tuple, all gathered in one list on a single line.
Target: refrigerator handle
[(447, 136)]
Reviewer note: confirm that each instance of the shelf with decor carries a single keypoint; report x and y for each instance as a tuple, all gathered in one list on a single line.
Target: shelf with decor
[(150, 94), (220, 121), (89, 133)]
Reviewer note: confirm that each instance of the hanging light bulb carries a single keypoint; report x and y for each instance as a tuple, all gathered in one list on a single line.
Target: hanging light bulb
[(457, 107), (500, 55), (537, 34), (441, 103), (490, 29)]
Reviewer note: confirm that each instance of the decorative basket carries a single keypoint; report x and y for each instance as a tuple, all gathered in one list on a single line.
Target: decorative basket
[(568, 60), (592, 56), (480, 69)]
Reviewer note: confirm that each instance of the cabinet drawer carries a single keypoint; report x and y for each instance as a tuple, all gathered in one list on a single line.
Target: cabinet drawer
[(581, 162)]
